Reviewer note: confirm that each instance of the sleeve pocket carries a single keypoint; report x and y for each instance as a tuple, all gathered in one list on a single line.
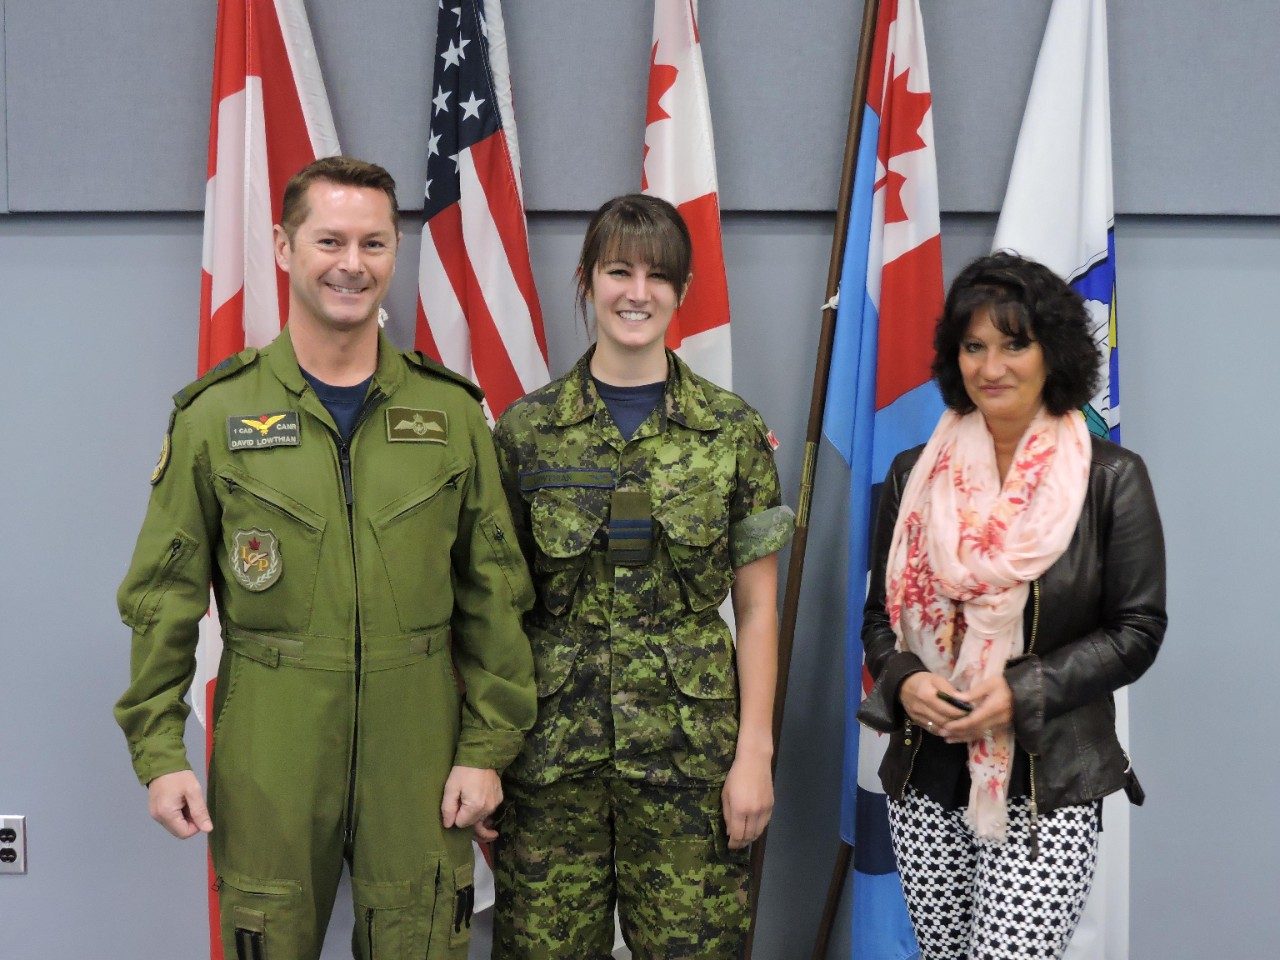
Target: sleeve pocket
[(140, 595)]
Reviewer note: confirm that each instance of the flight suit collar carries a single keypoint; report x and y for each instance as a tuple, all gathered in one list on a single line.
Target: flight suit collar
[(683, 398), (283, 361)]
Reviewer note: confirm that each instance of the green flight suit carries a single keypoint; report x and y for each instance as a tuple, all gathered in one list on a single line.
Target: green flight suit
[(633, 544), (352, 581)]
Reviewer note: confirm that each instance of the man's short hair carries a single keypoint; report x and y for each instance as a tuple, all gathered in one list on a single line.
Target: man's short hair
[(341, 170)]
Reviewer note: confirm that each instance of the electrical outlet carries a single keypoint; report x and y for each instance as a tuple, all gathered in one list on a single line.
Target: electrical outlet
[(13, 844)]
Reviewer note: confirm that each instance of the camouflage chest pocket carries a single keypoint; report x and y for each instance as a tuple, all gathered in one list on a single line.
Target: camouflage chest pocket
[(270, 553), (700, 657), (415, 535), (564, 521), (696, 527), (555, 655)]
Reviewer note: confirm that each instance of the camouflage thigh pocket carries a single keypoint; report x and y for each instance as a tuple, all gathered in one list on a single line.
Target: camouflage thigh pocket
[(683, 894), (553, 870)]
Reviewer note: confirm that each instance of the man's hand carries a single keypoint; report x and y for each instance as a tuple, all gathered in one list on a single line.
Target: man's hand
[(470, 795), (747, 799), (177, 804)]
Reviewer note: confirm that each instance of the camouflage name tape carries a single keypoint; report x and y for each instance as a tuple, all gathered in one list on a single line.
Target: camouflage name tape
[(566, 477)]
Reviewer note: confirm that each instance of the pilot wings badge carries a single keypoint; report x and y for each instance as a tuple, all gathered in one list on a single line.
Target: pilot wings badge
[(406, 425)]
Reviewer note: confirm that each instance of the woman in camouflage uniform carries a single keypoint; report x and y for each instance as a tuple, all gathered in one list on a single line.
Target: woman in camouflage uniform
[(643, 495)]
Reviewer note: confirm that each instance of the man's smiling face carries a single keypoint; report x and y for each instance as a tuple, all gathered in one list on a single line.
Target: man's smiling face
[(341, 257)]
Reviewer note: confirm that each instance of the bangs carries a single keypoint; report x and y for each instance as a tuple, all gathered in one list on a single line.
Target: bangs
[(1008, 315), (640, 242)]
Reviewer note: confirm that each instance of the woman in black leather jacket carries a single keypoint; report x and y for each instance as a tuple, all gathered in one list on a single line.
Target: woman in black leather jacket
[(1017, 580)]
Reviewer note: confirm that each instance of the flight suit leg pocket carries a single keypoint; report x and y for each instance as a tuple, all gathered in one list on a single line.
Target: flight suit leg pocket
[(450, 916), (385, 920), (262, 919), (462, 899)]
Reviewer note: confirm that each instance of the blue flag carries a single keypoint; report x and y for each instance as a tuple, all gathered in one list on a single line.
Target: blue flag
[(881, 400)]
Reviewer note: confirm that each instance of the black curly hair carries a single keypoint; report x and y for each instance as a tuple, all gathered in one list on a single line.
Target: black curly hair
[(1024, 299)]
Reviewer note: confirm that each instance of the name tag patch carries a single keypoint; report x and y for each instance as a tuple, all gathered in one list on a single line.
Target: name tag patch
[(260, 430), (407, 425)]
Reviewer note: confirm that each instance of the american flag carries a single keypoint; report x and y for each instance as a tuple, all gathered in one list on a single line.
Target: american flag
[(478, 309)]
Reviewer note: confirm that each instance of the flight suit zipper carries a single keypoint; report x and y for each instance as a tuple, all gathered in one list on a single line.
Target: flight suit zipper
[(348, 494), (1034, 807)]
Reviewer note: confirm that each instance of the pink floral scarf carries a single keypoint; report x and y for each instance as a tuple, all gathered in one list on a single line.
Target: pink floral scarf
[(965, 549)]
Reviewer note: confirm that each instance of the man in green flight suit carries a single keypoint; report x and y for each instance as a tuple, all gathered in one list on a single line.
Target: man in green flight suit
[(343, 499)]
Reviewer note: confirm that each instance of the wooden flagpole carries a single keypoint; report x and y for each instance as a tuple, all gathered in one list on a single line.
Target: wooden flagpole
[(813, 437)]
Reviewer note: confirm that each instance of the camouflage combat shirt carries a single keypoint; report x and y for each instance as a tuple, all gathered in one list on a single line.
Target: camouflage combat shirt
[(632, 545)]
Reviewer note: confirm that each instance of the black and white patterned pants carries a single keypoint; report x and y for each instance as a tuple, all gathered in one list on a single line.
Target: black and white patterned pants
[(988, 901)]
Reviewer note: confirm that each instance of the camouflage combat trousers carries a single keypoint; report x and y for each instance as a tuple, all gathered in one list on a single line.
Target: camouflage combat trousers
[(570, 851)]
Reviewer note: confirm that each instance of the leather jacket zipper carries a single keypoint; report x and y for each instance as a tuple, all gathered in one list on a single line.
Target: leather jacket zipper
[(1034, 807), (914, 750)]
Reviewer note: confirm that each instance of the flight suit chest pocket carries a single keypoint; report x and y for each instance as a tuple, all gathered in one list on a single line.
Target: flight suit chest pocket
[(270, 554), (415, 535), (695, 524), (565, 521)]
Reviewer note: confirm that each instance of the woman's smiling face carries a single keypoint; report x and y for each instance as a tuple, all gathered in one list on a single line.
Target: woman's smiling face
[(633, 303), (1003, 374)]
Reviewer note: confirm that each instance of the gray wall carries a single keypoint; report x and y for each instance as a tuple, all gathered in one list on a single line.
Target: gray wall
[(107, 109), (89, 82), (99, 312)]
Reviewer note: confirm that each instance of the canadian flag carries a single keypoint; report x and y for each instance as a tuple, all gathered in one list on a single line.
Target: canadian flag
[(680, 166), (270, 117)]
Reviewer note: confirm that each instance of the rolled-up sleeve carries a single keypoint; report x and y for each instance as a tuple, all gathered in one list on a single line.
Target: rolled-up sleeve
[(759, 523)]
